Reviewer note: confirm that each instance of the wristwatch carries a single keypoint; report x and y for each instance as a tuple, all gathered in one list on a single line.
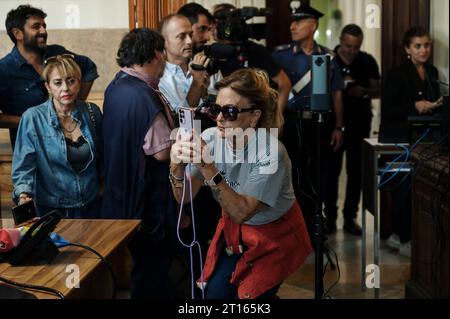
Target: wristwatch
[(340, 128), (216, 180)]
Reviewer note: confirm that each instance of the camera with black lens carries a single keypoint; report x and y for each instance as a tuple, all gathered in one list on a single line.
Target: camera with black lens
[(232, 25), (217, 53)]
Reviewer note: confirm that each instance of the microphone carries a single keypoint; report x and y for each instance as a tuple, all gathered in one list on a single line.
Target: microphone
[(321, 84)]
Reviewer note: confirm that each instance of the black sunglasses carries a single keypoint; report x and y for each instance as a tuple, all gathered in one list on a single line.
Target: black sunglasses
[(58, 57), (229, 112)]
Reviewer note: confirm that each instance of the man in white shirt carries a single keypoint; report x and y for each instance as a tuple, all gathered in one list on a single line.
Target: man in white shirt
[(183, 86), (180, 84)]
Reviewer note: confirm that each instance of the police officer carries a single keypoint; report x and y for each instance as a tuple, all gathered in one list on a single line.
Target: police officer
[(300, 131)]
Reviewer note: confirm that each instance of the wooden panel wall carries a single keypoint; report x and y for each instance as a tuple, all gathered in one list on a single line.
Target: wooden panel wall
[(148, 13)]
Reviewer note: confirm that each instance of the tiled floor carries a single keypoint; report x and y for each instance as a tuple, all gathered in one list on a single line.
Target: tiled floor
[(394, 268), (394, 271)]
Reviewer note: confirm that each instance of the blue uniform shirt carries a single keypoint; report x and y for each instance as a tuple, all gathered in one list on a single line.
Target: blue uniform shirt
[(21, 87), (296, 64)]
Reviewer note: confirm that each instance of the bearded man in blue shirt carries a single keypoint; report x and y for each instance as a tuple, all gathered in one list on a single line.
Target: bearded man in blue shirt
[(21, 82)]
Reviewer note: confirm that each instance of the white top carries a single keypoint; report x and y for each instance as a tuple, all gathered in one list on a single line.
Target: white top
[(262, 169), (175, 85)]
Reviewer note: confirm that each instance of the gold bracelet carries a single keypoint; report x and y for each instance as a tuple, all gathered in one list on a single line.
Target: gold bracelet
[(175, 183), (171, 175)]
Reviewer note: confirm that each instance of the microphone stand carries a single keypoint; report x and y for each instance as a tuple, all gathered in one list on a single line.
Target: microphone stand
[(320, 104), (320, 99), (318, 236)]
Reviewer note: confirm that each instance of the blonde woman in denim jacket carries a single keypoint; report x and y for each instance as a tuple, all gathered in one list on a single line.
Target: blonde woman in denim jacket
[(55, 158)]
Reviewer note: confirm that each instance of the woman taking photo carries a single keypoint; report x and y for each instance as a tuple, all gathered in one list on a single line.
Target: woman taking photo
[(261, 238), (54, 161)]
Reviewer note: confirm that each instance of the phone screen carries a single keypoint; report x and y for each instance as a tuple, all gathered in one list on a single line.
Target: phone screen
[(23, 213)]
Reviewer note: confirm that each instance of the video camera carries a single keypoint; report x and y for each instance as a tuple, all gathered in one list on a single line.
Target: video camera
[(232, 25), (216, 53)]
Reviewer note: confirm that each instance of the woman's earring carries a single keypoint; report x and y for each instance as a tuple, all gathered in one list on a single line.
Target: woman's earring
[(409, 57)]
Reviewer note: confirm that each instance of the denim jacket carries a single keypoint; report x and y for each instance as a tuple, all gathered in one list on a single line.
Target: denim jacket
[(40, 166)]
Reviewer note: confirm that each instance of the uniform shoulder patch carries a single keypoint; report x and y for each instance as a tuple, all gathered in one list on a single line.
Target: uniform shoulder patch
[(282, 47)]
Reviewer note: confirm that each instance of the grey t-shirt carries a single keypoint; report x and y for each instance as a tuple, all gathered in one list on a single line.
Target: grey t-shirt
[(262, 169)]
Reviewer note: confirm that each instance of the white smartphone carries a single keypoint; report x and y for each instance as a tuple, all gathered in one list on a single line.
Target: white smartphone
[(186, 119)]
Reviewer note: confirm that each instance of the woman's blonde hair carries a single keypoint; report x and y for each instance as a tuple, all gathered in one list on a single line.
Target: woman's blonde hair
[(254, 85), (65, 64)]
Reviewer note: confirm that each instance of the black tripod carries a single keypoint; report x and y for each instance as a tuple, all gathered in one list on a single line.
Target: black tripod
[(318, 236), (318, 220), (320, 99)]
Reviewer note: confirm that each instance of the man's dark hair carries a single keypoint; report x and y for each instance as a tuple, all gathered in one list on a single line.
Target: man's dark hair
[(139, 46), (193, 10), (17, 18), (353, 30), (414, 32)]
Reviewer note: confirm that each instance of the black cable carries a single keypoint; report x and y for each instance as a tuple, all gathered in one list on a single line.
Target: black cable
[(33, 287), (397, 186), (108, 265), (326, 294), (428, 156)]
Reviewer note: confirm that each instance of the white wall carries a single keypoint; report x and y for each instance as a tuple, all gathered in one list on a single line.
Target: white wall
[(440, 33), (75, 14)]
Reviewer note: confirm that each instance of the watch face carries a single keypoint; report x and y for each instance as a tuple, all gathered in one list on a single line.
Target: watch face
[(217, 179)]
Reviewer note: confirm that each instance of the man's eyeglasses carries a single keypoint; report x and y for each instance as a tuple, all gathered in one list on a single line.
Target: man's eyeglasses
[(229, 111), (58, 57)]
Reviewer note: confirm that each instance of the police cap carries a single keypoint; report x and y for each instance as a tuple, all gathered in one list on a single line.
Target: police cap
[(304, 11)]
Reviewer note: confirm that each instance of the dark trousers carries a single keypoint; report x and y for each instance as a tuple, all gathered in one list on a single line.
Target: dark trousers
[(219, 286), (300, 137), (151, 265), (353, 137)]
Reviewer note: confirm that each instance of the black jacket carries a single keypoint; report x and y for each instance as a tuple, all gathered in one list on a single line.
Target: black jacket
[(401, 88)]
